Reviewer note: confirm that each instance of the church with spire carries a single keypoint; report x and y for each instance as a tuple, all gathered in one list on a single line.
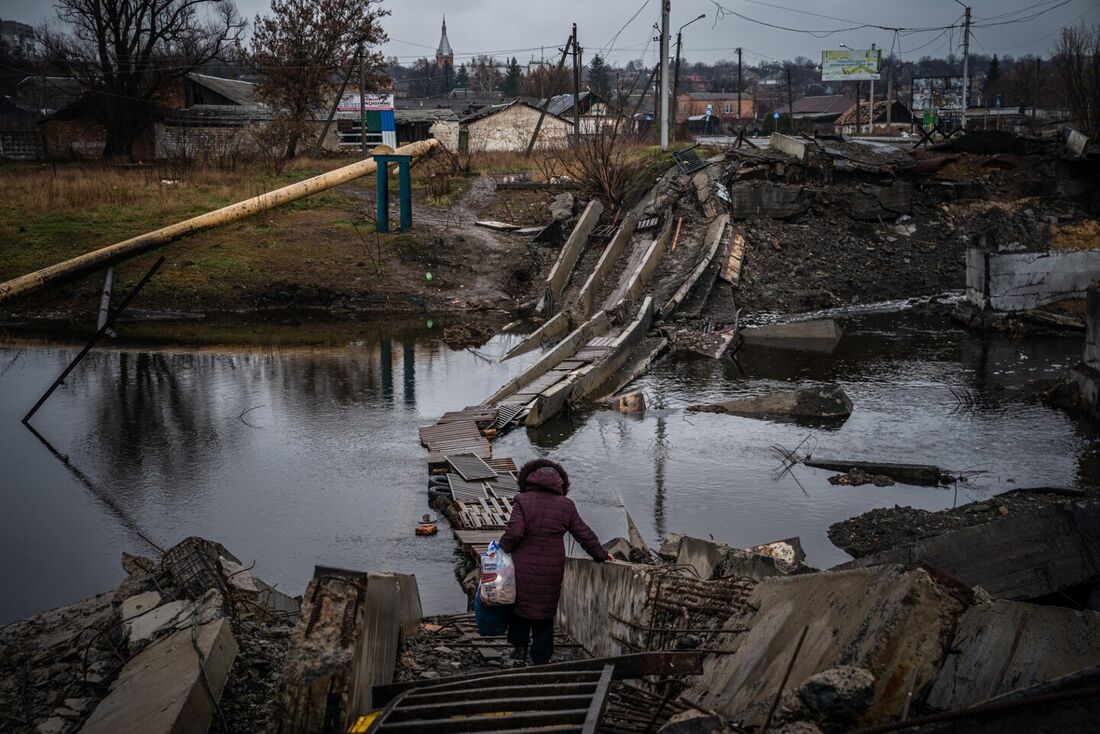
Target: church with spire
[(444, 56)]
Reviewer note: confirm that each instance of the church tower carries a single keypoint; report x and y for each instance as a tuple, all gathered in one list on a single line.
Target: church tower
[(444, 56)]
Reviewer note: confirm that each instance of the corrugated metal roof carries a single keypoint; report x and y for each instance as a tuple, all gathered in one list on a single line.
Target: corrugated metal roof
[(821, 104), (232, 89)]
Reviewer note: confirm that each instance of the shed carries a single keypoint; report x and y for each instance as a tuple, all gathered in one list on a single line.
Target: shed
[(504, 127)]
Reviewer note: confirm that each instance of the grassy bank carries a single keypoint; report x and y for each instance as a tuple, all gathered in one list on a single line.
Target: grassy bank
[(309, 252)]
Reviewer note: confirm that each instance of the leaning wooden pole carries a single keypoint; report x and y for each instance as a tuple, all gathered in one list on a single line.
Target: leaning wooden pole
[(101, 258)]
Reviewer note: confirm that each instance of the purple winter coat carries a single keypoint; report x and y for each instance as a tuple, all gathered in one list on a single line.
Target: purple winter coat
[(541, 516)]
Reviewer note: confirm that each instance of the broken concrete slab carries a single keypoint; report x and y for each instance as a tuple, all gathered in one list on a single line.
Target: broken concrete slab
[(893, 622), (561, 208), (788, 145), (711, 559), (163, 688), (923, 475), (818, 336), (1002, 646), (827, 403), (593, 594), (874, 203), (1020, 557), (774, 201), (1076, 142), (838, 696), (559, 273)]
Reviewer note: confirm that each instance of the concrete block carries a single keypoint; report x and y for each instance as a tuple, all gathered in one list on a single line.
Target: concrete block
[(702, 555), (826, 403), (817, 336), (591, 593), (888, 620), (1092, 328), (791, 146), (162, 690), (1026, 280), (1004, 646), (143, 628), (1076, 142)]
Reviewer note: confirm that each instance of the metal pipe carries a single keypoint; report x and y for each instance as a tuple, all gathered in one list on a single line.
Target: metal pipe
[(91, 261)]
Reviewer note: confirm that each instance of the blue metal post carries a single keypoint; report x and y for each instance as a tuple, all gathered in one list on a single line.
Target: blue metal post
[(405, 192), (383, 195)]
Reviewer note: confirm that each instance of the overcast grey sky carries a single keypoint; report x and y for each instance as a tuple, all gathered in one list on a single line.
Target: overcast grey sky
[(521, 27)]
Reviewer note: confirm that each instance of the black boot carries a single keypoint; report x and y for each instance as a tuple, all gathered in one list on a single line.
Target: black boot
[(519, 652)]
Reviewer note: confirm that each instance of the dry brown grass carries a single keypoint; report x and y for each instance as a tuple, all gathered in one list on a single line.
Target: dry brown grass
[(33, 189)]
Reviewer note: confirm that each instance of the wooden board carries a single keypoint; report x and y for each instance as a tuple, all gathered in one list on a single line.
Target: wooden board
[(731, 273)]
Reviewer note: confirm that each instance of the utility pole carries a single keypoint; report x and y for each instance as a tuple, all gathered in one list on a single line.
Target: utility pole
[(966, 64), (362, 102), (666, 8), (576, 85), (859, 120), (738, 87), (871, 95), (676, 83), (1035, 97), (335, 104), (790, 103), (546, 99)]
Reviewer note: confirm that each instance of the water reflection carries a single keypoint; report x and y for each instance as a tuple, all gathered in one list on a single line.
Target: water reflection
[(303, 455)]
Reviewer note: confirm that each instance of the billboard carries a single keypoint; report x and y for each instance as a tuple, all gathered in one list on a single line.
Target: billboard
[(381, 126), (937, 93), (850, 65)]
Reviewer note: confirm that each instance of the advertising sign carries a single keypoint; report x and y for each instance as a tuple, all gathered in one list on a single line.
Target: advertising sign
[(937, 93), (381, 125), (850, 65)]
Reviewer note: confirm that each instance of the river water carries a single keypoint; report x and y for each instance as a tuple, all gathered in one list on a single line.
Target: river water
[(294, 455)]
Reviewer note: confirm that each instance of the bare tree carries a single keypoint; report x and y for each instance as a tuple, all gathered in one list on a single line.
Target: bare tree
[(299, 50), (602, 159), (130, 54), (1077, 68), (484, 74)]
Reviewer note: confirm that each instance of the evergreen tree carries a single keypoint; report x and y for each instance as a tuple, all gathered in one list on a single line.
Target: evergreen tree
[(462, 80), (446, 79), (993, 73), (512, 78), (599, 80)]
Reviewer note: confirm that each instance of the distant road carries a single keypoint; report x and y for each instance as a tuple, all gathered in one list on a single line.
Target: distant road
[(763, 142)]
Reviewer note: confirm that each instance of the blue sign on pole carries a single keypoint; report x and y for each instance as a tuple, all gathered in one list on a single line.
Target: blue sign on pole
[(776, 114), (999, 101)]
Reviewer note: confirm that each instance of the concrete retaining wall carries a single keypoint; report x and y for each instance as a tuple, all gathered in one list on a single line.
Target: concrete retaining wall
[(591, 593), (1025, 280)]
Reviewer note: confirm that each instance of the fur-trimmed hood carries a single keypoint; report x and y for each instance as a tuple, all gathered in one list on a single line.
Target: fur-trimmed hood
[(539, 476)]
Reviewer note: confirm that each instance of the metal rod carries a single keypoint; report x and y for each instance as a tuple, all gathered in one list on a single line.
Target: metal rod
[(546, 102), (783, 683), (88, 347), (335, 105)]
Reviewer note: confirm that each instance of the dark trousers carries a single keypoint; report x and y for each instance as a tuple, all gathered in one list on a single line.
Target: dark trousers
[(538, 633)]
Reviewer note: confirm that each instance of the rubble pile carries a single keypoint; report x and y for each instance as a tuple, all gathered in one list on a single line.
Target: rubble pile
[(889, 527), (450, 645), (60, 665), (851, 222)]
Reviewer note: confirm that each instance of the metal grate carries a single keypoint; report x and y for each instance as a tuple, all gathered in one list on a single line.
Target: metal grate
[(471, 467), (506, 414), (604, 232), (688, 161), (464, 491), (504, 486), (648, 223)]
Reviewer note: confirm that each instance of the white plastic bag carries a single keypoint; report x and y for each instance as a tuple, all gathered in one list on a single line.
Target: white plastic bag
[(498, 576)]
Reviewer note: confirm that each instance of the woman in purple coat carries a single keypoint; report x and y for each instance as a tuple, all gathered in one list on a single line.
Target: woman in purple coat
[(541, 516)]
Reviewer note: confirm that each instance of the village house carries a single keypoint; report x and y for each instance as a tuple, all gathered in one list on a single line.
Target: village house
[(854, 119), (722, 105), (504, 127), (817, 114), (594, 112)]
